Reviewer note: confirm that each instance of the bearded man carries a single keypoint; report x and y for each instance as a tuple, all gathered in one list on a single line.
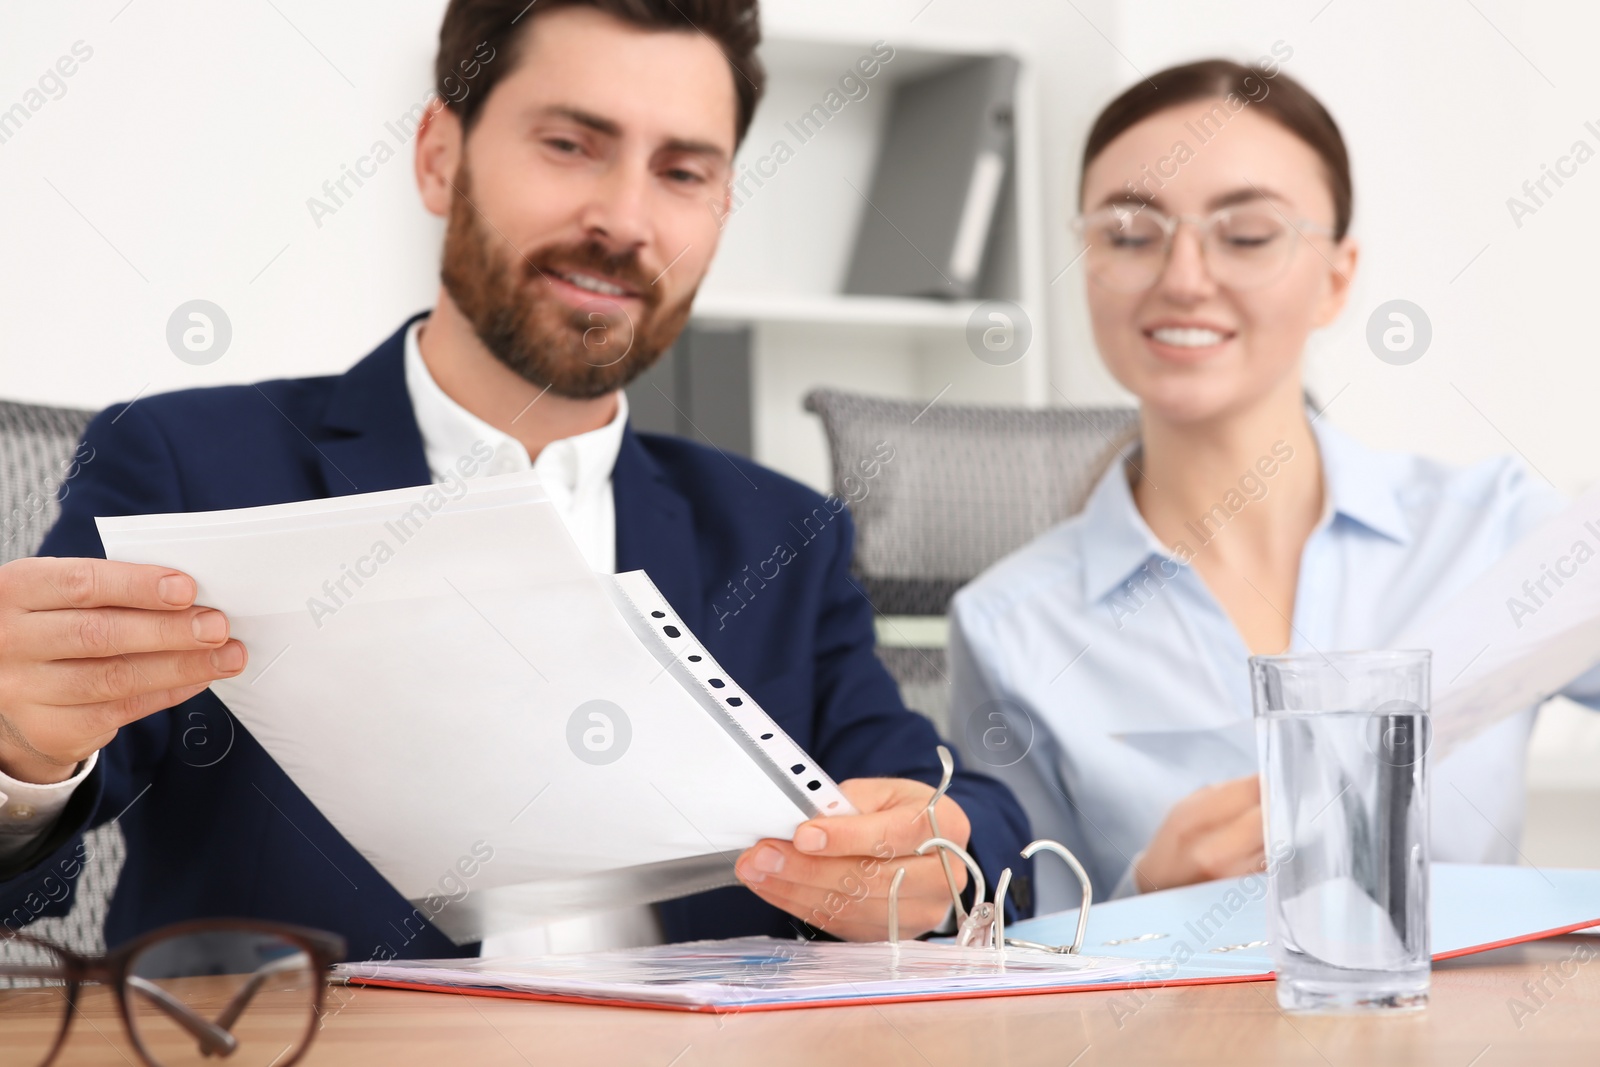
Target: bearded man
[(581, 153)]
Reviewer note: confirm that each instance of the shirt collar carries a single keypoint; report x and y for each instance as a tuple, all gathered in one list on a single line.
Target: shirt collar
[(579, 464), (1363, 486), (1116, 539)]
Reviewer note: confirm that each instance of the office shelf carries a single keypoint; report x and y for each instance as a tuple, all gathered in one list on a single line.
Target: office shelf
[(800, 194), (835, 310)]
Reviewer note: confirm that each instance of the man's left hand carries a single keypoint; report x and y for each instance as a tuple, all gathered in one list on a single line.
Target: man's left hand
[(835, 874)]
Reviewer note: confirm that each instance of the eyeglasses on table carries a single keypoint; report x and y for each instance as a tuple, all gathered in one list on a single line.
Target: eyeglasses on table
[(219, 992)]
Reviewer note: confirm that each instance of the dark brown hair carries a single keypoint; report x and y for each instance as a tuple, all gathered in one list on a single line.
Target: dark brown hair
[(478, 43), (1275, 94)]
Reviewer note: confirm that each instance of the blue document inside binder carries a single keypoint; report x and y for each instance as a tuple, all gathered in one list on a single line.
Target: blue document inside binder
[(1203, 933), (1218, 930)]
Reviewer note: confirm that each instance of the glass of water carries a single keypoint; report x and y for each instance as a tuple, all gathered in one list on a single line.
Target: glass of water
[(1343, 740)]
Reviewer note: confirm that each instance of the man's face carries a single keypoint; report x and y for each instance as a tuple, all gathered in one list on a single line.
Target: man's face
[(581, 219)]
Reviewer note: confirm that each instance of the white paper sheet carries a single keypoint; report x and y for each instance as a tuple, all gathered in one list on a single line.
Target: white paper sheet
[(1526, 628), (416, 660), (754, 972)]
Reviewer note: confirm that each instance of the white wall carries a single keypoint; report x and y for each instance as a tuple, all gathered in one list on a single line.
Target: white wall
[(177, 166), (1447, 110), (1447, 113)]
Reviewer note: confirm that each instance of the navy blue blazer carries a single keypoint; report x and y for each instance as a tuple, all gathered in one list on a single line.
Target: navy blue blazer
[(234, 836)]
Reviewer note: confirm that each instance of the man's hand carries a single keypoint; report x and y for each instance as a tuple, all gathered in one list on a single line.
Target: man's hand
[(1214, 832), (835, 874), (88, 646)]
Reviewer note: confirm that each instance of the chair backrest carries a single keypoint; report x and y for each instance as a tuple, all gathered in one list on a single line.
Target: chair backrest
[(39, 457), (965, 486), (37, 460)]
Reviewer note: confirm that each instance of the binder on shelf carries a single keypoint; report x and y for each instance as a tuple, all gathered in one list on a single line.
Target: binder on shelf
[(934, 194), (429, 665)]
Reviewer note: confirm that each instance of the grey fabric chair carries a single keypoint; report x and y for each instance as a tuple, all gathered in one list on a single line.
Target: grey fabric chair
[(38, 460), (965, 486)]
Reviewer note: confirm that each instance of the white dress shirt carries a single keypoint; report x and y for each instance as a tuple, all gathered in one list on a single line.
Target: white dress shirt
[(1132, 679), (28, 811), (576, 472)]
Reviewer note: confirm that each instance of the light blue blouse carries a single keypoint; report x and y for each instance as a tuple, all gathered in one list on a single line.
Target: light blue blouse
[(1098, 677)]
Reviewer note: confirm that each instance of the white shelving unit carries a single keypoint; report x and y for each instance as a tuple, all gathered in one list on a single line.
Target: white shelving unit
[(839, 310), (787, 243)]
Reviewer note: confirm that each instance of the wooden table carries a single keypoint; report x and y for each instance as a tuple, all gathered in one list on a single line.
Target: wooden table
[(1470, 1024)]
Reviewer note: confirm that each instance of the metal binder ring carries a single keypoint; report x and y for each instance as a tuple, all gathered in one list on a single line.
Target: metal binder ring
[(894, 906), (947, 766), (922, 850), (1083, 909), (1001, 888)]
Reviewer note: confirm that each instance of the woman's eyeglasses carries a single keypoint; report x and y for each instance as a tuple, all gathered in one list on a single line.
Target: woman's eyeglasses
[(243, 994), (1127, 246)]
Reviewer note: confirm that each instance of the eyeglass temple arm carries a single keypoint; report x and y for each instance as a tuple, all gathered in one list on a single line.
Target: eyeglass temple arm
[(247, 992), (947, 766), (214, 1040)]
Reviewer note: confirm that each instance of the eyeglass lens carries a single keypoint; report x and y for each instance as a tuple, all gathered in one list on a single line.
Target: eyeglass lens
[(33, 1002), (237, 997), (1245, 247), (234, 997)]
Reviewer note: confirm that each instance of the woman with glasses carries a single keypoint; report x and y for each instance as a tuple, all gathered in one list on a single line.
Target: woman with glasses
[(1112, 651)]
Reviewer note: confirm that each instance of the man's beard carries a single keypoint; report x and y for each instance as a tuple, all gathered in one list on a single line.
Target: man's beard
[(578, 352)]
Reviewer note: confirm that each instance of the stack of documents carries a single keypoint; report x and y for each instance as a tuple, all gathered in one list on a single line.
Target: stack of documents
[(751, 973), (1198, 935), (505, 735)]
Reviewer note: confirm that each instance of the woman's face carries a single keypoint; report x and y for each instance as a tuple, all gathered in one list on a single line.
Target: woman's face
[(1190, 349)]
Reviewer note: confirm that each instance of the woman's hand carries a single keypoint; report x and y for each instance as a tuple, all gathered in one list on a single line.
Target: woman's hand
[(1214, 832)]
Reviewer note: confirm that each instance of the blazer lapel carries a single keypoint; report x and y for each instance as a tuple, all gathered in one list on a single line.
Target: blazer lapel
[(370, 442), (655, 529), (370, 439)]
